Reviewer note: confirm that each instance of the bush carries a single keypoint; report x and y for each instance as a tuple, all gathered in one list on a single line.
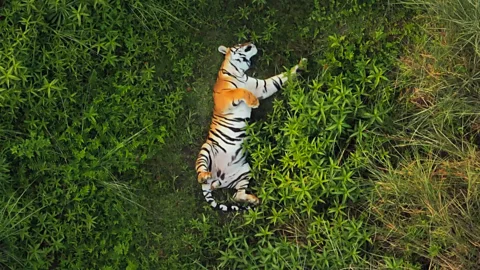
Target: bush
[(310, 153), (82, 105)]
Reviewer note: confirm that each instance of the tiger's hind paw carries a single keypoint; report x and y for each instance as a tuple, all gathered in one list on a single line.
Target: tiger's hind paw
[(241, 196), (215, 184), (203, 177), (253, 199)]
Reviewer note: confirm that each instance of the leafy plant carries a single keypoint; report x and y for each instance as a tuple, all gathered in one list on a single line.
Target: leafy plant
[(370, 160), (308, 158), (81, 108)]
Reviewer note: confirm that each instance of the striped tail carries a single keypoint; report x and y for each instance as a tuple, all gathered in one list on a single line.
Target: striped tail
[(207, 192)]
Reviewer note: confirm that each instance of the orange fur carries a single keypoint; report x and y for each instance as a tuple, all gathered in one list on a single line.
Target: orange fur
[(224, 94), (223, 100)]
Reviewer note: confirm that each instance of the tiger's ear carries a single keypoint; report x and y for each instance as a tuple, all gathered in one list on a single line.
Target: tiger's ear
[(222, 49)]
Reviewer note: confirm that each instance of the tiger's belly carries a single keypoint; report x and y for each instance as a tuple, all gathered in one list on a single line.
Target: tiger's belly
[(230, 163), (229, 166)]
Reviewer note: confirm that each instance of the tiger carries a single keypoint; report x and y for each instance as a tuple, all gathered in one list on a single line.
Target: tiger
[(221, 162)]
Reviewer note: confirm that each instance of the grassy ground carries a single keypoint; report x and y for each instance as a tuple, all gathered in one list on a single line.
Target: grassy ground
[(401, 247), (425, 202), (369, 161), (176, 200)]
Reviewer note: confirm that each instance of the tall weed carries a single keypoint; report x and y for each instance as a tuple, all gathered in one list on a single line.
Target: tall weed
[(426, 196)]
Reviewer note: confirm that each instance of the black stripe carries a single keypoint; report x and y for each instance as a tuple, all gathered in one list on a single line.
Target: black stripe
[(242, 176), (197, 168), (220, 137), (236, 119), (215, 143), (238, 179), (232, 83), (238, 151), (208, 158), (275, 83), (264, 86), (234, 129), (218, 121), (228, 137), (235, 67), (242, 158), (206, 150), (220, 116), (225, 72), (256, 83), (200, 165)]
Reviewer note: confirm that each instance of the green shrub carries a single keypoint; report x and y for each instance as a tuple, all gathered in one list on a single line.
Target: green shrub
[(310, 153), (82, 105)]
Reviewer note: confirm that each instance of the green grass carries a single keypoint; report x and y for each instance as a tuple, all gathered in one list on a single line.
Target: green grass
[(370, 160), (425, 198)]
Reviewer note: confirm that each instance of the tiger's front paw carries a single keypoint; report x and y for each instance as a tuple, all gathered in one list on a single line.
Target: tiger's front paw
[(301, 66), (203, 177), (252, 101)]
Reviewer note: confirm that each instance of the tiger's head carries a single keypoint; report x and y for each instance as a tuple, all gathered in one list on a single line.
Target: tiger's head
[(240, 56)]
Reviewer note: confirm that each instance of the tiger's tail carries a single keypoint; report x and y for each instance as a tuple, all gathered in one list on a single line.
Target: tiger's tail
[(207, 193)]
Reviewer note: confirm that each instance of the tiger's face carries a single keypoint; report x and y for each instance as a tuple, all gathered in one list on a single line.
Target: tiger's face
[(240, 54)]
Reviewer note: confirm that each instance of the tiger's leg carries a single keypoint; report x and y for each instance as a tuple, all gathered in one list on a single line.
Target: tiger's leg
[(203, 164), (231, 98), (265, 88)]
